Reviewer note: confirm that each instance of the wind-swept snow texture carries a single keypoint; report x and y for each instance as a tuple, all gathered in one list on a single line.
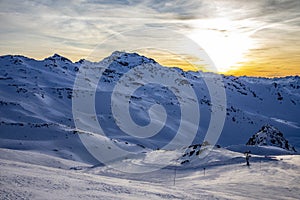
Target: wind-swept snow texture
[(30, 175)]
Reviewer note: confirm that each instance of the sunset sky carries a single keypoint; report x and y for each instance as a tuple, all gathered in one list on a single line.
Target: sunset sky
[(254, 38)]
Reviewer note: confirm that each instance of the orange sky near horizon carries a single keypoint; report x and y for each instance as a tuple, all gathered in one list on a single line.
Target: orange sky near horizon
[(257, 68), (270, 67)]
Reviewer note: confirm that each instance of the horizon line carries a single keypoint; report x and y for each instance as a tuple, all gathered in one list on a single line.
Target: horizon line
[(168, 66)]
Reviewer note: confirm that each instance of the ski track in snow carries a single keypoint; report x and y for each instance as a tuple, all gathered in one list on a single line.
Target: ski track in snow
[(20, 179)]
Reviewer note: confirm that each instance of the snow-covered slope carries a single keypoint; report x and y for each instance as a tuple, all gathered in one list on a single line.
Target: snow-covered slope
[(36, 104), (28, 175)]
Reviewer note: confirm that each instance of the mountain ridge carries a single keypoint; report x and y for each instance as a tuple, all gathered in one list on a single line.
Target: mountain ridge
[(36, 98), (85, 60)]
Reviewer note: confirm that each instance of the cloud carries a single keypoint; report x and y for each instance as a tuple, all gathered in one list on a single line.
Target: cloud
[(77, 26)]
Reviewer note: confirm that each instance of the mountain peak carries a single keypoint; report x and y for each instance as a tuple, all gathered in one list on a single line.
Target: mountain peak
[(269, 128), (128, 59), (124, 53), (58, 57), (269, 135)]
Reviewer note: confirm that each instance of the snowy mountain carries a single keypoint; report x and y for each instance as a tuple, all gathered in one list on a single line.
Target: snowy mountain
[(36, 104), (42, 154), (270, 136)]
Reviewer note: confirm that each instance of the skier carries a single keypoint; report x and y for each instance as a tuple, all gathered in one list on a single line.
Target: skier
[(247, 154)]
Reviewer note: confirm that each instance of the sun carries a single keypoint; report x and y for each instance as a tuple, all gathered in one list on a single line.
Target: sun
[(225, 45)]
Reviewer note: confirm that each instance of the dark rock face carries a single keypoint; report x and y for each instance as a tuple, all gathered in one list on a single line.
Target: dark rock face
[(270, 136)]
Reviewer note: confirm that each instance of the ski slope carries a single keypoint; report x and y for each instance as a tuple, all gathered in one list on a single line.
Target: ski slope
[(32, 175)]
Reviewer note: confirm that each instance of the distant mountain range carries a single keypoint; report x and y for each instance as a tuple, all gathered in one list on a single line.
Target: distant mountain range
[(36, 104)]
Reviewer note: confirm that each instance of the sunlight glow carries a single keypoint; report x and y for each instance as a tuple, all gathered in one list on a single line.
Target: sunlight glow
[(225, 45)]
